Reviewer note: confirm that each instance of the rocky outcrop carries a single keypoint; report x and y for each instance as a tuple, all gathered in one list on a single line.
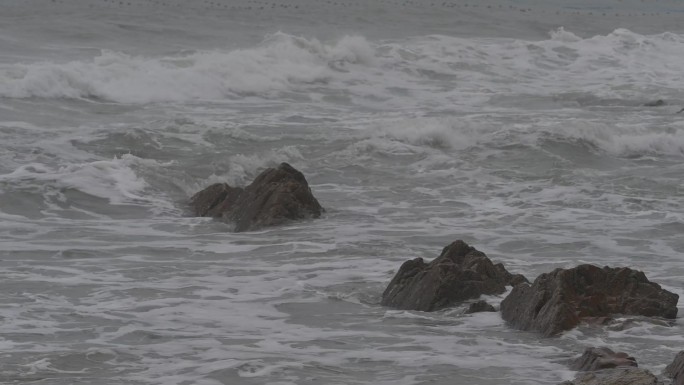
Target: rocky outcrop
[(601, 358), (602, 366), (618, 376), (675, 370), (557, 301), (460, 273), (276, 196), (479, 307)]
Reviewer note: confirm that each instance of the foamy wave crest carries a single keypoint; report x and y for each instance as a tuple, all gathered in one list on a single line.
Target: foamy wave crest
[(282, 62), (561, 34), (244, 168), (621, 65), (431, 138), (631, 141), (115, 180)]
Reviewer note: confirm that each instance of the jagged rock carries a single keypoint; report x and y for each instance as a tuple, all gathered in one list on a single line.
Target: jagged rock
[(675, 370), (460, 273), (215, 199), (479, 307), (618, 376), (557, 301), (276, 196), (601, 358)]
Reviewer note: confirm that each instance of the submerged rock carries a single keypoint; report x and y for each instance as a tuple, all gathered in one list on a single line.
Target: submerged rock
[(460, 273), (675, 370), (557, 301), (655, 103), (601, 358), (479, 307), (618, 376), (276, 196)]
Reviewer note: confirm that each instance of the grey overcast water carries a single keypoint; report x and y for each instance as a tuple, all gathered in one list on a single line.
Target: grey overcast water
[(517, 126)]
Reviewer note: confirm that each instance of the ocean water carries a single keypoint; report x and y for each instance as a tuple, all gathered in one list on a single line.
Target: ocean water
[(517, 126)]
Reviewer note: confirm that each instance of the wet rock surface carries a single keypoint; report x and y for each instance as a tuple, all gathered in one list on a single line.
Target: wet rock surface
[(276, 196), (675, 370), (598, 358), (461, 272), (215, 200), (559, 300)]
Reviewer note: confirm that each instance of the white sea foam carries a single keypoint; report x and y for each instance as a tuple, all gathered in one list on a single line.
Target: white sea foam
[(562, 35), (623, 139), (435, 69), (621, 64), (536, 151), (448, 134), (439, 135), (115, 180), (281, 63), (245, 167)]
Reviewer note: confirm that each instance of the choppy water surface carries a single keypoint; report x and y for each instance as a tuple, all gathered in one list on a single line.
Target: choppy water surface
[(516, 126)]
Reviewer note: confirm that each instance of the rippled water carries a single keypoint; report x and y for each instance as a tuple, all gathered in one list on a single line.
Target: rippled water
[(518, 126)]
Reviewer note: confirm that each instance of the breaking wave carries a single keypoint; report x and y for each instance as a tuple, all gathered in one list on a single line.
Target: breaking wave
[(427, 70)]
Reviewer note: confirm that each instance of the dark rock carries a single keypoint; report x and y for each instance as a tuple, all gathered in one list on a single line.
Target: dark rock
[(215, 199), (601, 358), (675, 370), (460, 273), (276, 196), (557, 301), (618, 376), (655, 103), (479, 307)]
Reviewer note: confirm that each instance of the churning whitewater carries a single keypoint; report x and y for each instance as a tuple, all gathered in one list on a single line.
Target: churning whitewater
[(522, 127)]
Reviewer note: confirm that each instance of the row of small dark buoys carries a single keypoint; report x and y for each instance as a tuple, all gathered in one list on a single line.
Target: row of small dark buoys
[(119, 2), (248, 5), (511, 7), (261, 5)]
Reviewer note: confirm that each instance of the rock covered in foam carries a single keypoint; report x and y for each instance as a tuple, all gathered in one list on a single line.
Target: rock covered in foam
[(276, 196), (460, 273), (559, 300)]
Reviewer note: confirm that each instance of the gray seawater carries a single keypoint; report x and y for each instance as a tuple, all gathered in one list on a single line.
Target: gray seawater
[(517, 126)]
